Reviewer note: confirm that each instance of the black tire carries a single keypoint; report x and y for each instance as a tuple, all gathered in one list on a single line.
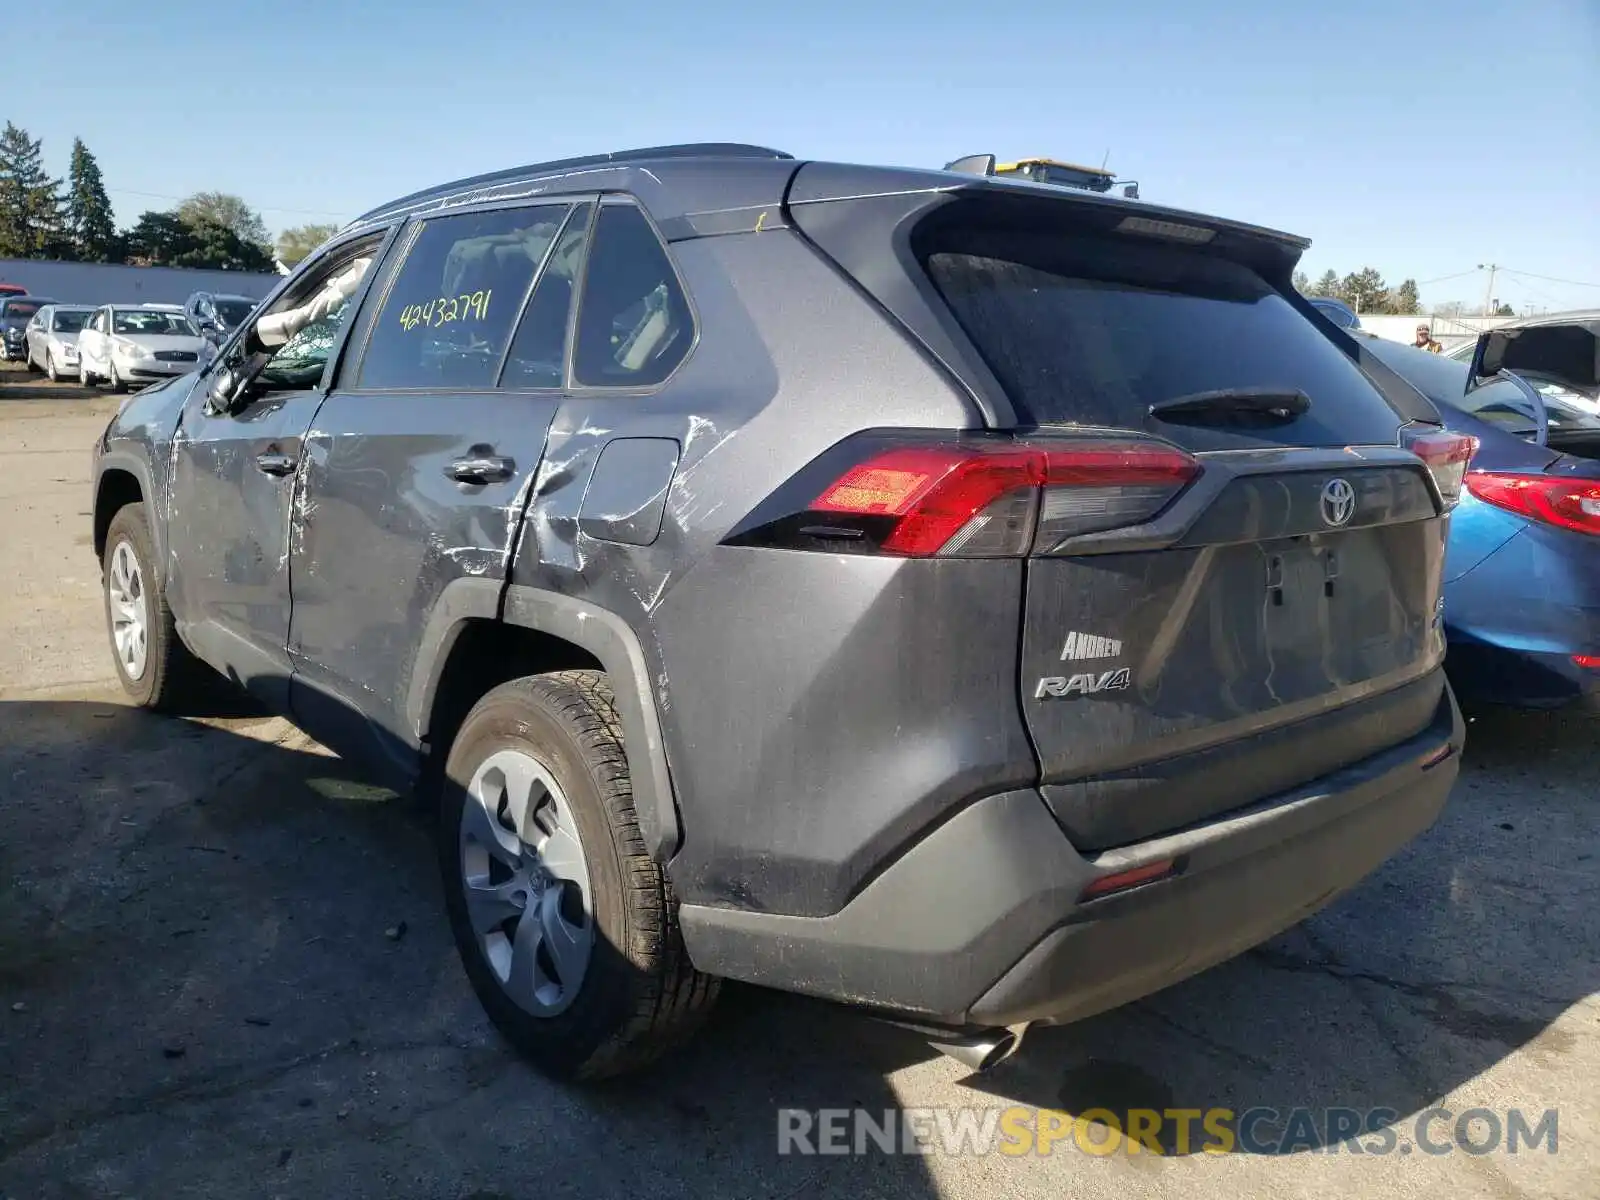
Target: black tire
[(172, 677), (50, 371), (85, 376), (639, 996), (27, 361), (115, 380)]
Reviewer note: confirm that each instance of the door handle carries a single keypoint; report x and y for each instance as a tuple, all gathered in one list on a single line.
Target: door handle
[(274, 463), (481, 468)]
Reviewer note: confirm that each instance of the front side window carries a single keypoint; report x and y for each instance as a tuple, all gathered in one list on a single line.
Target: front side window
[(300, 331), (634, 324), (448, 313)]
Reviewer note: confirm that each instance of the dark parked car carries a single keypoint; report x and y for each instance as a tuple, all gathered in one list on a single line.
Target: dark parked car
[(215, 314), (977, 601), (1337, 311), (1522, 578), (15, 313)]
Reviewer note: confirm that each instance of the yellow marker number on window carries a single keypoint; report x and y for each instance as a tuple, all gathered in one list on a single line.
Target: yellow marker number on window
[(436, 313)]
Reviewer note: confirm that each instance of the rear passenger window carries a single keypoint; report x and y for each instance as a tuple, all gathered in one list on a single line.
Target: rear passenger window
[(633, 324), (539, 348), (446, 318)]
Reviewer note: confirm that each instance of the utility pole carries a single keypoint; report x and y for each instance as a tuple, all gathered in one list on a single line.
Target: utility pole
[(1488, 292)]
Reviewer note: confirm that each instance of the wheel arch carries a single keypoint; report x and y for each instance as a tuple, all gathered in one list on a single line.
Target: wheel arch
[(476, 639), (119, 485)]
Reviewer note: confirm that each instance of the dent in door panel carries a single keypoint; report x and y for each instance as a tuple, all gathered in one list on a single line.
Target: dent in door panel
[(627, 493)]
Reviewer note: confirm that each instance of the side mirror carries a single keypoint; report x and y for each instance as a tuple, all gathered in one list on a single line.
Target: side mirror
[(1131, 191), (222, 392)]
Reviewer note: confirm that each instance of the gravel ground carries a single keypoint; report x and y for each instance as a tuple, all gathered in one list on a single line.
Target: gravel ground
[(224, 972)]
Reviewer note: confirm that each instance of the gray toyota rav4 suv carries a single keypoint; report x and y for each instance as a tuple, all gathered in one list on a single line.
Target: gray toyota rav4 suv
[(978, 602)]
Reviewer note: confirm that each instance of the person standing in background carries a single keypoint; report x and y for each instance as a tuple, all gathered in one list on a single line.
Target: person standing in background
[(1425, 340)]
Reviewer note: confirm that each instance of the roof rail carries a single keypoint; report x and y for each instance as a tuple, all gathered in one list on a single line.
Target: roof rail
[(643, 154)]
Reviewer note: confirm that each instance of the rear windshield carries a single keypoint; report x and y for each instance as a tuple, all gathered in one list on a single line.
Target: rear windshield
[(1090, 329), (233, 311), (22, 309)]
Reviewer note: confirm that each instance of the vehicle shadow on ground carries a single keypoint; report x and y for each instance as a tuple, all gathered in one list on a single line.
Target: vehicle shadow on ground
[(228, 943)]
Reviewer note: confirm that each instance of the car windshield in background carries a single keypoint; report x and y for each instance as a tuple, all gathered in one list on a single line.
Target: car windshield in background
[(1093, 330), (233, 312), (1498, 402), (21, 310), (132, 323), (68, 322)]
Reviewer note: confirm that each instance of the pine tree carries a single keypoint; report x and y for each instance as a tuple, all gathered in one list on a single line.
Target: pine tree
[(1327, 285), (94, 234), (1406, 299), (31, 216)]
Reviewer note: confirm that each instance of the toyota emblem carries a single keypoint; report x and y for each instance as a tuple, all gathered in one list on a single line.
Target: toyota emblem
[(1338, 501)]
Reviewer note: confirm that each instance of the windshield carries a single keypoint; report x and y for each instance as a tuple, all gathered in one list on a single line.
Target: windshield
[(21, 310), (134, 322), (231, 312), (1094, 331), (68, 321)]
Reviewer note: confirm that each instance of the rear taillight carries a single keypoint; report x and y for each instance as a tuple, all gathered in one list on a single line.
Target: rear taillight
[(1447, 455), (1568, 503), (971, 497)]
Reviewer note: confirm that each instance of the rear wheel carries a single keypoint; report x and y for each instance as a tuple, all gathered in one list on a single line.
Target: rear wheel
[(85, 376), (565, 924), (155, 668), (114, 379), (50, 367)]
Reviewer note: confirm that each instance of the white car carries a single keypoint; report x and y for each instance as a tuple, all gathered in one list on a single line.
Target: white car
[(136, 344), (52, 340)]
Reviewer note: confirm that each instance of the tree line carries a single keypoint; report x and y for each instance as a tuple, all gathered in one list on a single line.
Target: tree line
[(45, 217), (1366, 292)]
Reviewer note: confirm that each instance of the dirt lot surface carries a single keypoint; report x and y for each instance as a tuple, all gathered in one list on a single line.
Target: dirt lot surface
[(224, 972)]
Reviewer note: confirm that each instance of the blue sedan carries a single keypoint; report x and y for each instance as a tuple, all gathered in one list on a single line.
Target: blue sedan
[(1522, 575)]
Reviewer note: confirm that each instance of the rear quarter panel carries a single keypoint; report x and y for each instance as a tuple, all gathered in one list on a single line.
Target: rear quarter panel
[(814, 710)]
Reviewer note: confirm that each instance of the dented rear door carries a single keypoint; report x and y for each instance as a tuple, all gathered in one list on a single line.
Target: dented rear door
[(420, 463)]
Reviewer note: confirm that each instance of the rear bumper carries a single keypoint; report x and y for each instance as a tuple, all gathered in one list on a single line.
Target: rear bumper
[(981, 921)]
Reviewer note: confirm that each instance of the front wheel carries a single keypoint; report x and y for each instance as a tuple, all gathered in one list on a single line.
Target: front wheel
[(565, 924), (154, 666)]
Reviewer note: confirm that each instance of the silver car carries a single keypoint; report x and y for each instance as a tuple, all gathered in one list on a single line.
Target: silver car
[(52, 340), (137, 344)]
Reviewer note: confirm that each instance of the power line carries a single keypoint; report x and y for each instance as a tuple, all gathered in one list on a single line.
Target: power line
[(1551, 278), (304, 212), (1443, 278), (1518, 276)]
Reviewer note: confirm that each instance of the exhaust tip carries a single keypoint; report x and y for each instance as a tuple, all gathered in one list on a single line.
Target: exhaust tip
[(983, 1051)]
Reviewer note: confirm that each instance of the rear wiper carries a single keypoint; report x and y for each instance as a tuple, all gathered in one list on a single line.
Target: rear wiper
[(1244, 405)]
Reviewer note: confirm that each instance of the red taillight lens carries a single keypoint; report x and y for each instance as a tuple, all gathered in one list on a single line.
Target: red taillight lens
[(1568, 503), (1589, 662), (1123, 881), (1447, 455), (986, 500)]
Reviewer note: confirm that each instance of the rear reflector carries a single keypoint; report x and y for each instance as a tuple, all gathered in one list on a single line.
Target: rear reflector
[(1567, 503), (1134, 877), (1447, 455), (978, 498)]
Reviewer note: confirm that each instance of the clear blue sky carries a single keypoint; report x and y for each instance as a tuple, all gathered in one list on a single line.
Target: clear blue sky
[(1421, 139)]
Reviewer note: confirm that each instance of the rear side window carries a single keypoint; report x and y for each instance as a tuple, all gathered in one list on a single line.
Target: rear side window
[(448, 313), (538, 353), (634, 324), (1092, 330)]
